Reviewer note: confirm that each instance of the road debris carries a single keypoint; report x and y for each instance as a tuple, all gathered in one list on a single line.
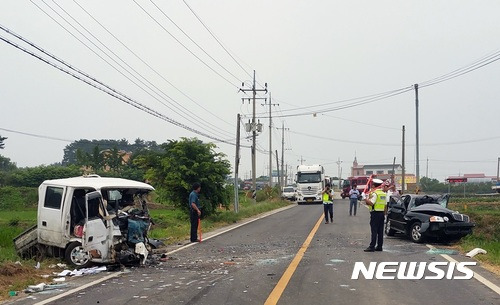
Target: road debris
[(44, 287), (436, 251), (83, 271), (475, 252)]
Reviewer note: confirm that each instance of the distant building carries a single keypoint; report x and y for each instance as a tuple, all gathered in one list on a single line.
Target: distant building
[(375, 169), (471, 178)]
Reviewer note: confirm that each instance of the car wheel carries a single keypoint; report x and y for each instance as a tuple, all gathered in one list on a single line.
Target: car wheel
[(76, 256), (415, 233), (388, 230)]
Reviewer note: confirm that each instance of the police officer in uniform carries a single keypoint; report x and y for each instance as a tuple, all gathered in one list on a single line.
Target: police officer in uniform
[(377, 202)]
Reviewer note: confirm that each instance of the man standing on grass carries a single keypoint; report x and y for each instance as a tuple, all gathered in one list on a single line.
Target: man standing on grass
[(194, 211)]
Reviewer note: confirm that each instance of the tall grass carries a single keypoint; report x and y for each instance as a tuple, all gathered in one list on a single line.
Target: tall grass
[(486, 233)]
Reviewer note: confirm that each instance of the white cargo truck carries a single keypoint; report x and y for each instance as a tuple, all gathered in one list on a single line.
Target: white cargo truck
[(310, 180), (90, 219)]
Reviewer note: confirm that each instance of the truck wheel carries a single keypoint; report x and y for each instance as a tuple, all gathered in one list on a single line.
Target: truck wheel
[(40, 251), (388, 230), (76, 256), (415, 233)]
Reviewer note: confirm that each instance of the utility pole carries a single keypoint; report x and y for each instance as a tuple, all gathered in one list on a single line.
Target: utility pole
[(427, 168), (286, 174), (236, 165), (278, 169), (270, 141), (393, 170), (283, 151), (254, 128), (339, 162), (403, 163), (417, 142), (498, 170), (301, 160)]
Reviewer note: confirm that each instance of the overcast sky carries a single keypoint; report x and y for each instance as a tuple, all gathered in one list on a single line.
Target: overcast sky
[(308, 52)]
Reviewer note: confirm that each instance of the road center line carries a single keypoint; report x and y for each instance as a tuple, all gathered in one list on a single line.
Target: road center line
[(275, 295), (478, 277)]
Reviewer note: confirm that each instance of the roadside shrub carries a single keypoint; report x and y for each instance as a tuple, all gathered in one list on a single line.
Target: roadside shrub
[(15, 198)]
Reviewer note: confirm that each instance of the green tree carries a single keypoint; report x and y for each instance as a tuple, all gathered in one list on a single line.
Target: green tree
[(34, 176), (114, 159), (6, 167), (2, 144), (183, 163)]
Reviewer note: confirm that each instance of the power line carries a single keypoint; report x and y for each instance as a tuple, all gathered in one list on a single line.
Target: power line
[(185, 47), (36, 135), (484, 61), (489, 59), (358, 122), (216, 39), (150, 67), (363, 101), (192, 40), (107, 89), (165, 97), (464, 161), (394, 144)]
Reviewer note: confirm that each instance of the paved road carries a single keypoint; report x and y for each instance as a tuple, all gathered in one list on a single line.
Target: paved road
[(243, 266)]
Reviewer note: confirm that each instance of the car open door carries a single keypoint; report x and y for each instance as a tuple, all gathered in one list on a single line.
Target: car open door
[(96, 238), (398, 210)]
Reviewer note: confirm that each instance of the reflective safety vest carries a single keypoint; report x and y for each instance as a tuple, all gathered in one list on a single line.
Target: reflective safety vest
[(326, 198), (380, 202)]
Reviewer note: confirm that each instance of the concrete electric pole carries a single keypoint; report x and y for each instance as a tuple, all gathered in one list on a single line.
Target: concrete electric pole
[(254, 128), (270, 141), (282, 153), (339, 173), (237, 164), (403, 163), (417, 171)]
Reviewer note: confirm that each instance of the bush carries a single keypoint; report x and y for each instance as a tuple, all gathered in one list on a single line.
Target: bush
[(15, 198)]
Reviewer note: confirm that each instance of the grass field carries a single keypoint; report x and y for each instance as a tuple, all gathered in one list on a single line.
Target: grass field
[(12, 223), (486, 234)]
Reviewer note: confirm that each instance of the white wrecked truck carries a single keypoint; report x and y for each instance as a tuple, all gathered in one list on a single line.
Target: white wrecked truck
[(90, 219)]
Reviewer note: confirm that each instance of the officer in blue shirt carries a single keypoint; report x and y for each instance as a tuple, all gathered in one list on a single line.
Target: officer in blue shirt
[(194, 211)]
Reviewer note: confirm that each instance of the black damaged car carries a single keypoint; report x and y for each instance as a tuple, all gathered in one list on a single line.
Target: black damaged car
[(423, 216)]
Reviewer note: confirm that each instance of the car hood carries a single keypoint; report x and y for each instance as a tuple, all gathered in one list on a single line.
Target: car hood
[(432, 207)]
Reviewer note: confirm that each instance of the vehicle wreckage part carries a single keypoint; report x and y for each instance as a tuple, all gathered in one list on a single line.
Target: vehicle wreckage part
[(140, 248), (155, 243), (77, 256), (475, 252)]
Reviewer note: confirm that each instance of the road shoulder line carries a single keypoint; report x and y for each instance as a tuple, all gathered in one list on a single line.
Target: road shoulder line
[(72, 291), (478, 277)]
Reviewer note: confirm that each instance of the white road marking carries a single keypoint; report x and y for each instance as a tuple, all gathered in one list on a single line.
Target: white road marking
[(478, 277), (70, 292)]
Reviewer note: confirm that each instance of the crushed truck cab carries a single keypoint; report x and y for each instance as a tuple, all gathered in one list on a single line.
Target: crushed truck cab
[(90, 219)]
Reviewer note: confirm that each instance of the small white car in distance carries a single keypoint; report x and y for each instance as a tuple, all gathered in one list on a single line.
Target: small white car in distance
[(289, 193)]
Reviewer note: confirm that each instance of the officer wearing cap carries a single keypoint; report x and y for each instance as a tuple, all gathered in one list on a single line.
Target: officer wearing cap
[(378, 209)]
